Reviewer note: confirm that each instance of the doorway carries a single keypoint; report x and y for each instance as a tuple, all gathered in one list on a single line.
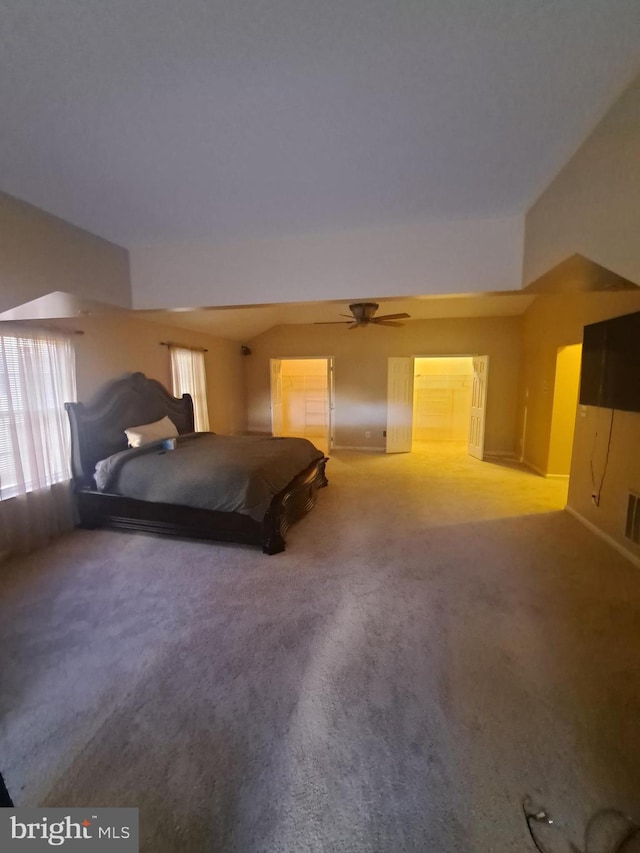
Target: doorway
[(563, 415), (442, 399), (437, 398), (302, 399)]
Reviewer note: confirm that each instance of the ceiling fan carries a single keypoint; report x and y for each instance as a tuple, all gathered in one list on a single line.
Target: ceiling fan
[(363, 315)]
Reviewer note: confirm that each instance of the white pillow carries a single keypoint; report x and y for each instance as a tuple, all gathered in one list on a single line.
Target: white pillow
[(137, 436)]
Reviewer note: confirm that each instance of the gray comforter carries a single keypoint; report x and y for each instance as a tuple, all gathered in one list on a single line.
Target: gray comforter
[(219, 472)]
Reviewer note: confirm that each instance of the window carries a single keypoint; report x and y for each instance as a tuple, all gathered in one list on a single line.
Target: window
[(37, 375), (188, 377)]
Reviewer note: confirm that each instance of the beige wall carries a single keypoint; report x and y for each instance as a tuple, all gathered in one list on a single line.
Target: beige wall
[(593, 208), (622, 473), (361, 370), (593, 205), (40, 253), (551, 322), (120, 343), (557, 321)]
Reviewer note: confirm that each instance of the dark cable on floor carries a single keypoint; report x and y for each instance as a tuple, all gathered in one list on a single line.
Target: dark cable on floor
[(597, 492), (538, 817)]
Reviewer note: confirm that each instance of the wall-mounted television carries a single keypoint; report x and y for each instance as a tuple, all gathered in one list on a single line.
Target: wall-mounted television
[(610, 372)]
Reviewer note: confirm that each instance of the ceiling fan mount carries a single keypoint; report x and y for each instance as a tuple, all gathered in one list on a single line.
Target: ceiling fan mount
[(362, 314)]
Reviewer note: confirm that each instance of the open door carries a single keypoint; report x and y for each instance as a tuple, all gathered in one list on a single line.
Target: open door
[(276, 396), (330, 404), (478, 406), (399, 405)]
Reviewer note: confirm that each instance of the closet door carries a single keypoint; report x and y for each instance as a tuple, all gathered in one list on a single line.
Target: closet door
[(330, 405), (478, 406), (399, 405), (276, 396)]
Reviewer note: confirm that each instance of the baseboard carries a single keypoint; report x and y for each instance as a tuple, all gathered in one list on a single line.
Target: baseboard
[(506, 454), (634, 558), (535, 468), (353, 447), (544, 474)]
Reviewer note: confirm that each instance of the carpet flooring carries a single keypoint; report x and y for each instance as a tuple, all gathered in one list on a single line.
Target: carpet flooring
[(438, 640)]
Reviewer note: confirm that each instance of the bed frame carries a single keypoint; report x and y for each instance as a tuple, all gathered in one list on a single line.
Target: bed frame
[(97, 431)]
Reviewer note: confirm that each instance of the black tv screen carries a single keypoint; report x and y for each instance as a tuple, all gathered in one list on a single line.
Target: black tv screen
[(610, 373)]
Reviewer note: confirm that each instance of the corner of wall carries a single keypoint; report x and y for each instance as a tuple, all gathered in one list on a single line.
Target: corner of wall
[(591, 206), (41, 254)]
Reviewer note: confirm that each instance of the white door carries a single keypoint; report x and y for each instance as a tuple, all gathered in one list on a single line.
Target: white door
[(330, 404), (399, 405), (478, 406), (276, 396)]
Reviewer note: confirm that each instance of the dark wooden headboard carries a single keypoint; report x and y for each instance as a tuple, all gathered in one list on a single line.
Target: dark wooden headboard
[(97, 427)]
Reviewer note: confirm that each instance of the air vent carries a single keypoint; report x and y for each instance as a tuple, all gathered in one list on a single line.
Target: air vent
[(632, 528)]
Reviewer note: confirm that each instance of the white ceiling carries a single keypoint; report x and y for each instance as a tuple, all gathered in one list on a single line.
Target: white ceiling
[(184, 120)]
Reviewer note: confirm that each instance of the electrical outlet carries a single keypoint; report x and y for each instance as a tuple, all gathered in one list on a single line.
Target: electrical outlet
[(367, 434)]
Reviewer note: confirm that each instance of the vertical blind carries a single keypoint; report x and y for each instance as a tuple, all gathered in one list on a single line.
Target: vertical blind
[(188, 377), (37, 375)]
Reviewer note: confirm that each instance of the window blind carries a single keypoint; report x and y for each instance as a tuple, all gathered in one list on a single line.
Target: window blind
[(37, 375)]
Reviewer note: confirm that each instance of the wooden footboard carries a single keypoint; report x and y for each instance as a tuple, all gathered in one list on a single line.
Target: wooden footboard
[(291, 504)]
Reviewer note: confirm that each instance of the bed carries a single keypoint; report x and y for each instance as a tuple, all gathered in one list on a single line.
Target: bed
[(97, 434)]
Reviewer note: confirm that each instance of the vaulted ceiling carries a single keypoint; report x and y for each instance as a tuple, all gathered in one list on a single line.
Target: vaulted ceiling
[(158, 120)]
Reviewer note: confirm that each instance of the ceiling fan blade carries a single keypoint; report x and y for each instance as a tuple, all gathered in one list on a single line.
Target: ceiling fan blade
[(332, 322), (380, 322), (356, 326), (393, 317)]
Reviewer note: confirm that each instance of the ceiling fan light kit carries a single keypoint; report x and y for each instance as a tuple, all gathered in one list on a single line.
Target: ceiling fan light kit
[(362, 314)]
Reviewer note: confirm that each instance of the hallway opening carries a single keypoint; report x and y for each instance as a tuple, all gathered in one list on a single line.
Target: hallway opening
[(442, 400)]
